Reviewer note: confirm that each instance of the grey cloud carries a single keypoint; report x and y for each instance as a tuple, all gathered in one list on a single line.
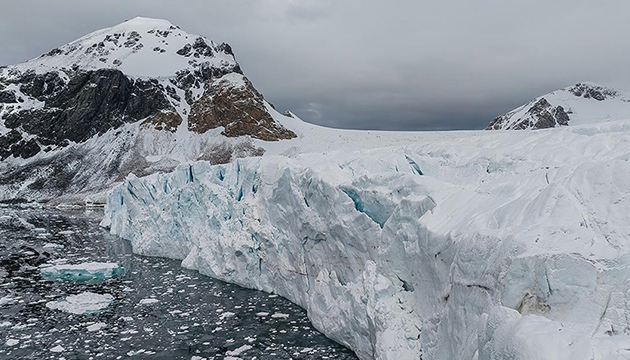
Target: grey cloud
[(373, 64), (309, 9)]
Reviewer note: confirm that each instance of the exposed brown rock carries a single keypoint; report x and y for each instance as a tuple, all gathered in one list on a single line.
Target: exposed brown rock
[(164, 120), (239, 109)]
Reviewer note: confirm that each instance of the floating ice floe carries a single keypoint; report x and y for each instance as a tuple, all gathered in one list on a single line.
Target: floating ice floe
[(93, 271), (6, 300), (240, 350), (58, 349), (83, 303), (96, 327), (280, 316), (148, 301), (53, 246), (12, 342)]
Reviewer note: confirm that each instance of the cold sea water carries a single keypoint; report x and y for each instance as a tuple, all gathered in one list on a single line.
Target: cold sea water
[(155, 309)]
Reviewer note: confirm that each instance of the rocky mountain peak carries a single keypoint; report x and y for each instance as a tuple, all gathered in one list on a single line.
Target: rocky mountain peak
[(582, 103), (143, 69), (147, 75), (139, 47)]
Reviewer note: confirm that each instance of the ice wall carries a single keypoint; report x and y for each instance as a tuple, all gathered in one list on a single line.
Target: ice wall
[(489, 249)]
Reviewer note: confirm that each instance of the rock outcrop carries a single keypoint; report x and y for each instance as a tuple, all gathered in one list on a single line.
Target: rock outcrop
[(239, 109), (541, 115)]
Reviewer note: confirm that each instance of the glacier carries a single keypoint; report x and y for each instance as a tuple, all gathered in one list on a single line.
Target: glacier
[(449, 245)]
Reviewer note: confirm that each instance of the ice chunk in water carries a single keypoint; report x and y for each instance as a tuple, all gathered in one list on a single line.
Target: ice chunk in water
[(58, 349), (93, 271), (83, 303), (96, 327), (148, 301), (12, 342), (53, 246)]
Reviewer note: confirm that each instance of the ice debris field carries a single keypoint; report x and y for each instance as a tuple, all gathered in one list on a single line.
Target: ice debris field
[(449, 245), (154, 310)]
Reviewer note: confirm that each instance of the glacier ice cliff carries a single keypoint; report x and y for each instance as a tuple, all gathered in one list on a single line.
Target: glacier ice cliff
[(465, 245)]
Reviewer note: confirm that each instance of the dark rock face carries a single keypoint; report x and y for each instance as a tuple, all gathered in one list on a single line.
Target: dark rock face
[(90, 103), (541, 115), (202, 75), (7, 142), (592, 92), (7, 97), (25, 149), (13, 144), (226, 48), (40, 87), (198, 49), (240, 110)]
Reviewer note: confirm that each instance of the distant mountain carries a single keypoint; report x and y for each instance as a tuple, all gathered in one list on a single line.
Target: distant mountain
[(582, 103), (139, 97)]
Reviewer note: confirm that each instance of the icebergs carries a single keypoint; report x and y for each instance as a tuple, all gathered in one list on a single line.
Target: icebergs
[(467, 246), (92, 271), (84, 303)]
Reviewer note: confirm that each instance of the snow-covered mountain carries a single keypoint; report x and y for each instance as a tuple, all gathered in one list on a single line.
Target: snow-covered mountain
[(139, 97), (583, 103)]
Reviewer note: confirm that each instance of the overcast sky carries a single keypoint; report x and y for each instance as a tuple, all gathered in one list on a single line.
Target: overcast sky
[(421, 65)]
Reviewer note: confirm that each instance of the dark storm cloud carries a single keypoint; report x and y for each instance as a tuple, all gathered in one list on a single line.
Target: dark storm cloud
[(372, 64)]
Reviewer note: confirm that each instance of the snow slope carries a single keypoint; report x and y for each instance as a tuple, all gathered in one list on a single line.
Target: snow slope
[(132, 47), (583, 103), (443, 245)]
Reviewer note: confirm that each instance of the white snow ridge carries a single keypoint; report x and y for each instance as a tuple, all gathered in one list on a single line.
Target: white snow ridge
[(461, 245)]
